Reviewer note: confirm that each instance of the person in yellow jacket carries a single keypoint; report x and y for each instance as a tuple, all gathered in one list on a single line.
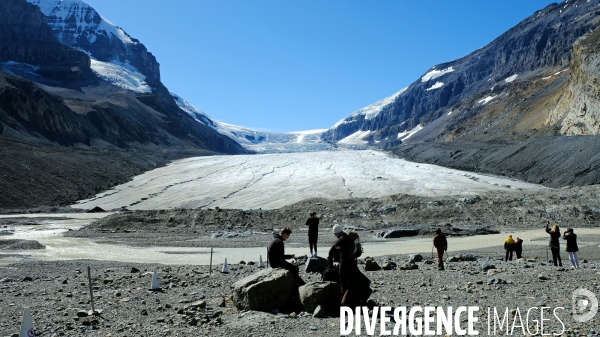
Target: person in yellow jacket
[(509, 246)]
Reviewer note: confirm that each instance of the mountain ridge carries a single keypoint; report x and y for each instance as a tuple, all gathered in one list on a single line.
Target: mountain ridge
[(537, 47)]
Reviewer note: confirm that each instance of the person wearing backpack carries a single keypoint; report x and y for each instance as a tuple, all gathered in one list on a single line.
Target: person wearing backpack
[(313, 233), (519, 248), (441, 245), (355, 285)]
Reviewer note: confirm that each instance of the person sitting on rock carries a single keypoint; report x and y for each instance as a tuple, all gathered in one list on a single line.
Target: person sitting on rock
[(519, 248), (277, 257), (509, 246), (554, 244), (572, 248), (313, 233), (441, 245)]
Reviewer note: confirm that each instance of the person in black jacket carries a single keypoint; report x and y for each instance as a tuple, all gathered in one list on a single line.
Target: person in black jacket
[(519, 248), (313, 233), (355, 285), (441, 245), (572, 248), (277, 257), (554, 244)]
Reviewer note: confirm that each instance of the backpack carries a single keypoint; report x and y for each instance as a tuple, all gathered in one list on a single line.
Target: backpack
[(354, 246)]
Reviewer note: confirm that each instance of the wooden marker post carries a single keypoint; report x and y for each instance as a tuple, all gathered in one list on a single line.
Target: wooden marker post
[(91, 291)]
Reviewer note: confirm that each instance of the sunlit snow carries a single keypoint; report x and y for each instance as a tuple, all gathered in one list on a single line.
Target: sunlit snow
[(486, 100), (372, 110), (122, 75), (259, 141), (275, 180), (64, 11), (409, 133), (355, 138), (436, 73), (511, 78), (437, 85)]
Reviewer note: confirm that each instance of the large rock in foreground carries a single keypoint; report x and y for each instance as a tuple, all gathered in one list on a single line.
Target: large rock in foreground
[(326, 294), (266, 290)]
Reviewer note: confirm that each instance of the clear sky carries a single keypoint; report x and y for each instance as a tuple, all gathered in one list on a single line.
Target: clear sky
[(282, 65)]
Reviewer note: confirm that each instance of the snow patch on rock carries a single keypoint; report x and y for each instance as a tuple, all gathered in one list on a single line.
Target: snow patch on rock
[(123, 75), (436, 73)]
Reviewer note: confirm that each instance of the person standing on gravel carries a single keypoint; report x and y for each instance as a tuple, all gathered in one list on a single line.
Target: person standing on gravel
[(277, 257), (572, 248), (519, 248), (554, 244), (441, 245), (355, 285), (509, 246), (313, 233)]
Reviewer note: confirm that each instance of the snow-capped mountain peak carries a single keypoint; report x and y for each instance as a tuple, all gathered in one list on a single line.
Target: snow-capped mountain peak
[(74, 20)]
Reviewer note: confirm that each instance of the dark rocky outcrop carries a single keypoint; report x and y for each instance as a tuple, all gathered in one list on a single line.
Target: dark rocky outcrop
[(26, 38), (78, 25)]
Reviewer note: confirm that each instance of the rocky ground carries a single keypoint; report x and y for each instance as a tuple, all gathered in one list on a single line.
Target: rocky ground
[(576, 207), (551, 161), (195, 302)]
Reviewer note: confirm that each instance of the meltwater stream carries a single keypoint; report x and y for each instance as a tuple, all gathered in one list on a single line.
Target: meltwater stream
[(48, 232)]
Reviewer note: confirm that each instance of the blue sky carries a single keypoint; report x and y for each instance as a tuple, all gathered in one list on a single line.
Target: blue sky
[(298, 65)]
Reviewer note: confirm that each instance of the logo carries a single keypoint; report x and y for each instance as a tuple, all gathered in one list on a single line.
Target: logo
[(585, 305)]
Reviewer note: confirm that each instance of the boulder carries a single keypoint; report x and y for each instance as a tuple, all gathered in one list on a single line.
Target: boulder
[(371, 265), (325, 294), (412, 258), (389, 265), (266, 290), (409, 266), (300, 260), (400, 233), (316, 265)]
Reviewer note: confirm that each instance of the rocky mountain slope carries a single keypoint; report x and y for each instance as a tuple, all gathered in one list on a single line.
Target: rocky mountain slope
[(58, 97), (503, 91), (505, 108)]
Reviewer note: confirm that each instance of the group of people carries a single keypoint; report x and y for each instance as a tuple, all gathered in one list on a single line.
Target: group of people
[(511, 246), (354, 284)]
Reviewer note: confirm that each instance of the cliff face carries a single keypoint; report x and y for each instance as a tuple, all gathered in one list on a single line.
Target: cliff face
[(579, 107), (78, 25), (508, 69), (25, 37)]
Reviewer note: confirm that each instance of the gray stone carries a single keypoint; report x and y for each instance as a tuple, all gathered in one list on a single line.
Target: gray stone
[(415, 258), (371, 265), (409, 266), (322, 293), (389, 265), (316, 265), (543, 277), (319, 313), (266, 290)]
